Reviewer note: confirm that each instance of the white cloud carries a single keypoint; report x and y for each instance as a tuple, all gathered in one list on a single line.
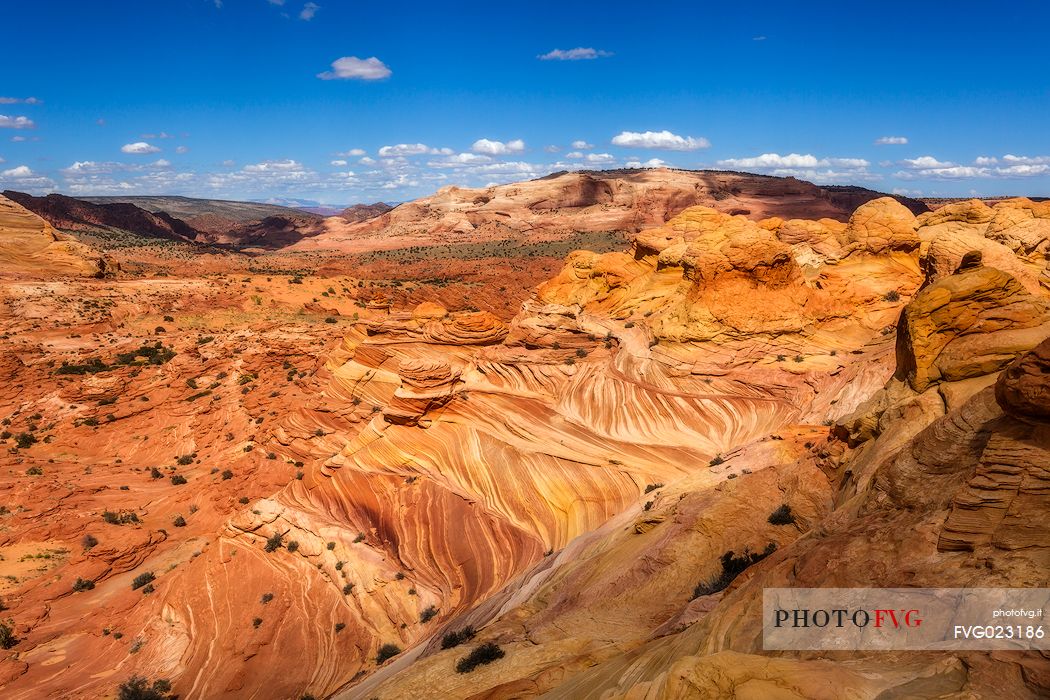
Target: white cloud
[(354, 68), (582, 145), (498, 148), (274, 166), (460, 159), (1025, 160), (599, 158), (367, 161), (663, 140), (23, 178), (891, 140), (182, 149), (19, 100), (309, 10), (338, 163), (925, 162), (758, 38), (7, 122), (552, 148), (19, 139), (161, 135), (985, 160), (578, 54), (351, 153), (412, 149), (651, 163), (804, 166), (161, 163), (139, 148)]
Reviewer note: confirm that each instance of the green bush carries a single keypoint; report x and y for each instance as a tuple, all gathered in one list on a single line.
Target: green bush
[(7, 636), (387, 651), (83, 585), (732, 566), (139, 688), (142, 579), (782, 516), (454, 639), (483, 654)]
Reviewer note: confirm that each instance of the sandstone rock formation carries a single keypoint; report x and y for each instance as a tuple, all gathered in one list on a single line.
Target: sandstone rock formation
[(817, 398), (29, 245), (556, 206)]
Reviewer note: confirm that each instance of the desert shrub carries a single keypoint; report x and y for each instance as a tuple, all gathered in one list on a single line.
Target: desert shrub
[(483, 654), (348, 589), (360, 537), (330, 546), (892, 295), (177, 480), (34, 471), (387, 651), (88, 541), (782, 516), (147, 589), (339, 627), (454, 639), (7, 636), (24, 440), (274, 542), (227, 475), (330, 320), (266, 598), (428, 614), (716, 460), (292, 546), (185, 459), (256, 622), (142, 579), (179, 521), (648, 505), (732, 566), (652, 487), (139, 688), (119, 518), (155, 473), (243, 500), (83, 585)]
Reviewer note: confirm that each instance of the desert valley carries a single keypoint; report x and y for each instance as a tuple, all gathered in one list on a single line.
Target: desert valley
[(550, 438), (506, 351)]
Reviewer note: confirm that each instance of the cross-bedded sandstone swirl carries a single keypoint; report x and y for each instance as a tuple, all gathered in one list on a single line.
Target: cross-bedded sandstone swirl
[(29, 245)]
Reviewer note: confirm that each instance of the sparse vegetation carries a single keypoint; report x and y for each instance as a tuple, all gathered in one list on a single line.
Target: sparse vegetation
[(454, 639), (387, 651), (892, 295), (652, 487), (82, 584), (782, 516), (266, 598), (122, 518), (732, 566), (274, 542), (139, 688), (142, 580), (177, 480), (428, 614), (7, 636), (88, 541), (483, 654)]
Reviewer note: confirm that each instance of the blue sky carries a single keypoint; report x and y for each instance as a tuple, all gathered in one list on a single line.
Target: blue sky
[(343, 101)]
